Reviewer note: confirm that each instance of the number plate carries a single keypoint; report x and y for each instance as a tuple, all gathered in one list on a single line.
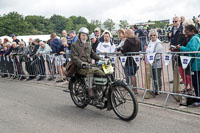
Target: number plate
[(108, 69)]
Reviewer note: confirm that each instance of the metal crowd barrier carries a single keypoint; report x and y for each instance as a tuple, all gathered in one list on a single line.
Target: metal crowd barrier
[(148, 78), (44, 66), (152, 80)]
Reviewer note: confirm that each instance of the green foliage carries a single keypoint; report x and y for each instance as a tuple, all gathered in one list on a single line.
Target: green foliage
[(39, 25), (123, 24), (96, 23), (158, 24), (109, 24), (69, 24), (13, 23), (59, 22)]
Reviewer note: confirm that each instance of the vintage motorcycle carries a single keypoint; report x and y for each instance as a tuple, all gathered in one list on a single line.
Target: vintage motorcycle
[(110, 94)]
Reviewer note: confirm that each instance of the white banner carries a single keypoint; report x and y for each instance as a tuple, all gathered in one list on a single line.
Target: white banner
[(185, 60), (167, 58), (57, 58), (44, 56), (8, 58), (51, 58), (137, 60), (150, 57), (63, 60), (123, 60), (113, 58)]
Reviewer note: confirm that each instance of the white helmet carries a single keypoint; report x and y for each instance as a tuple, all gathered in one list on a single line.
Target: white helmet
[(83, 30)]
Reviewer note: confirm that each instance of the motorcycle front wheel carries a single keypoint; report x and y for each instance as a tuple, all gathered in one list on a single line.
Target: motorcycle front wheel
[(124, 102)]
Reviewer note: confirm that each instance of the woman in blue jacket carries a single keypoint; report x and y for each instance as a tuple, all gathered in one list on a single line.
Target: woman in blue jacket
[(193, 45)]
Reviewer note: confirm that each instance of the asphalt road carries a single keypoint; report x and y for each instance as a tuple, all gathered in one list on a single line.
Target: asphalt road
[(34, 108)]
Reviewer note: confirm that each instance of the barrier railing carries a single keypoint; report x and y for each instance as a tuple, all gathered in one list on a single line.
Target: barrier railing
[(151, 73), (154, 76)]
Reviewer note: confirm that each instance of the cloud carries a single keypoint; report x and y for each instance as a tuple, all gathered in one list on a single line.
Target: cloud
[(131, 10)]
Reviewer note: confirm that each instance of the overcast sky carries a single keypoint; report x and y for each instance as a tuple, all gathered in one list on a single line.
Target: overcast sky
[(132, 10)]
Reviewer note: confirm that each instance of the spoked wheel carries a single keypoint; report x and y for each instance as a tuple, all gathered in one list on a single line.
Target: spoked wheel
[(124, 102), (78, 93)]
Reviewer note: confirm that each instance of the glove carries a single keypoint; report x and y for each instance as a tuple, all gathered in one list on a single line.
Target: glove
[(84, 65), (99, 63)]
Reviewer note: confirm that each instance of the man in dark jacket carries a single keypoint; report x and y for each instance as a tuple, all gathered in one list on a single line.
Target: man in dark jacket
[(94, 41), (15, 39), (132, 44), (176, 33), (177, 38), (56, 44), (81, 55)]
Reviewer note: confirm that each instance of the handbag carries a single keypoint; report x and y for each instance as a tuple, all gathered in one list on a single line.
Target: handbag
[(71, 67)]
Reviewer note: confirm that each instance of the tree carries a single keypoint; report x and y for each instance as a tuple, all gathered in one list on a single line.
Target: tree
[(123, 24), (109, 24), (59, 22), (39, 25), (79, 22), (13, 23), (69, 25), (96, 23)]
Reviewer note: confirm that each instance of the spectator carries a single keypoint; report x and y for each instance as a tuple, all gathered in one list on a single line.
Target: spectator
[(121, 34), (30, 44), (176, 33), (23, 52), (65, 45), (3, 50), (5, 41), (177, 38), (168, 30), (1, 45), (94, 41), (193, 45), (15, 39), (58, 49), (7, 52), (107, 46), (50, 41), (185, 74), (44, 49), (73, 36), (36, 47), (56, 44), (4, 64), (132, 44), (182, 21), (14, 48), (154, 46), (197, 24), (99, 37), (34, 65), (69, 41), (139, 33)]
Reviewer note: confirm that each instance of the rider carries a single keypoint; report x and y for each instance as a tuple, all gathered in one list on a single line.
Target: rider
[(82, 55)]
